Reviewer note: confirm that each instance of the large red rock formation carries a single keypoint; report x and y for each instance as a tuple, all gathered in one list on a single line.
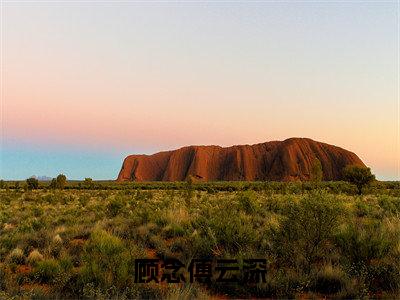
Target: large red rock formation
[(287, 160)]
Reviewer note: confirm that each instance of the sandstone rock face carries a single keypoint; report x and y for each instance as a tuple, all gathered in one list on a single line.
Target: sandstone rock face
[(288, 160)]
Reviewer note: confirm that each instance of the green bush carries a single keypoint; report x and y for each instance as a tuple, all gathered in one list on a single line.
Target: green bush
[(173, 230), (46, 270), (88, 182), (58, 183), (32, 183), (371, 252), (390, 204), (305, 233), (233, 234), (247, 201), (114, 207), (360, 244), (106, 261), (16, 256)]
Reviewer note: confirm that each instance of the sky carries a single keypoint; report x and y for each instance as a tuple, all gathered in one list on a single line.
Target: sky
[(86, 83)]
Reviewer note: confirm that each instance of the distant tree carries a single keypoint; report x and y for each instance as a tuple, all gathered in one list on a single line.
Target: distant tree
[(59, 182), (32, 183), (3, 184), (16, 185), (359, 176), (88, 182), (316, 170), (53, 183)]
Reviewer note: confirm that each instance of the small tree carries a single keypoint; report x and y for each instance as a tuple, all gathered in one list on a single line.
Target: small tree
[(53, 183), (32, 183), (88, 182), (61, 181), (359, 176), (316, 171), (3, 184)]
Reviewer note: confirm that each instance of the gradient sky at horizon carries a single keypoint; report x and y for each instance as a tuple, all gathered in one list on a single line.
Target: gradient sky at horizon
[(87, 83)]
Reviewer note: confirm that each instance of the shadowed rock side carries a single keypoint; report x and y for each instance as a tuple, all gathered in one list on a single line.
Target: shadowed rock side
[(287, 160)]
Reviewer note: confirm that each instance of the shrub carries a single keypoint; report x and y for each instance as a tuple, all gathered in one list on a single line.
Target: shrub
[(247, 201), (390, 204), (53, 184), (56, 246), (57, 239), (143, 195), (233, 233), (106, 261), (16, 256), (46, 270), (88, 182), (59, 182), (330, 280), (307, 229), (384, 276), (34, 257), (173, 230), (114, 207), (371, 252), (84, 200), (361, 244), (32, 183), (75, 250)]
